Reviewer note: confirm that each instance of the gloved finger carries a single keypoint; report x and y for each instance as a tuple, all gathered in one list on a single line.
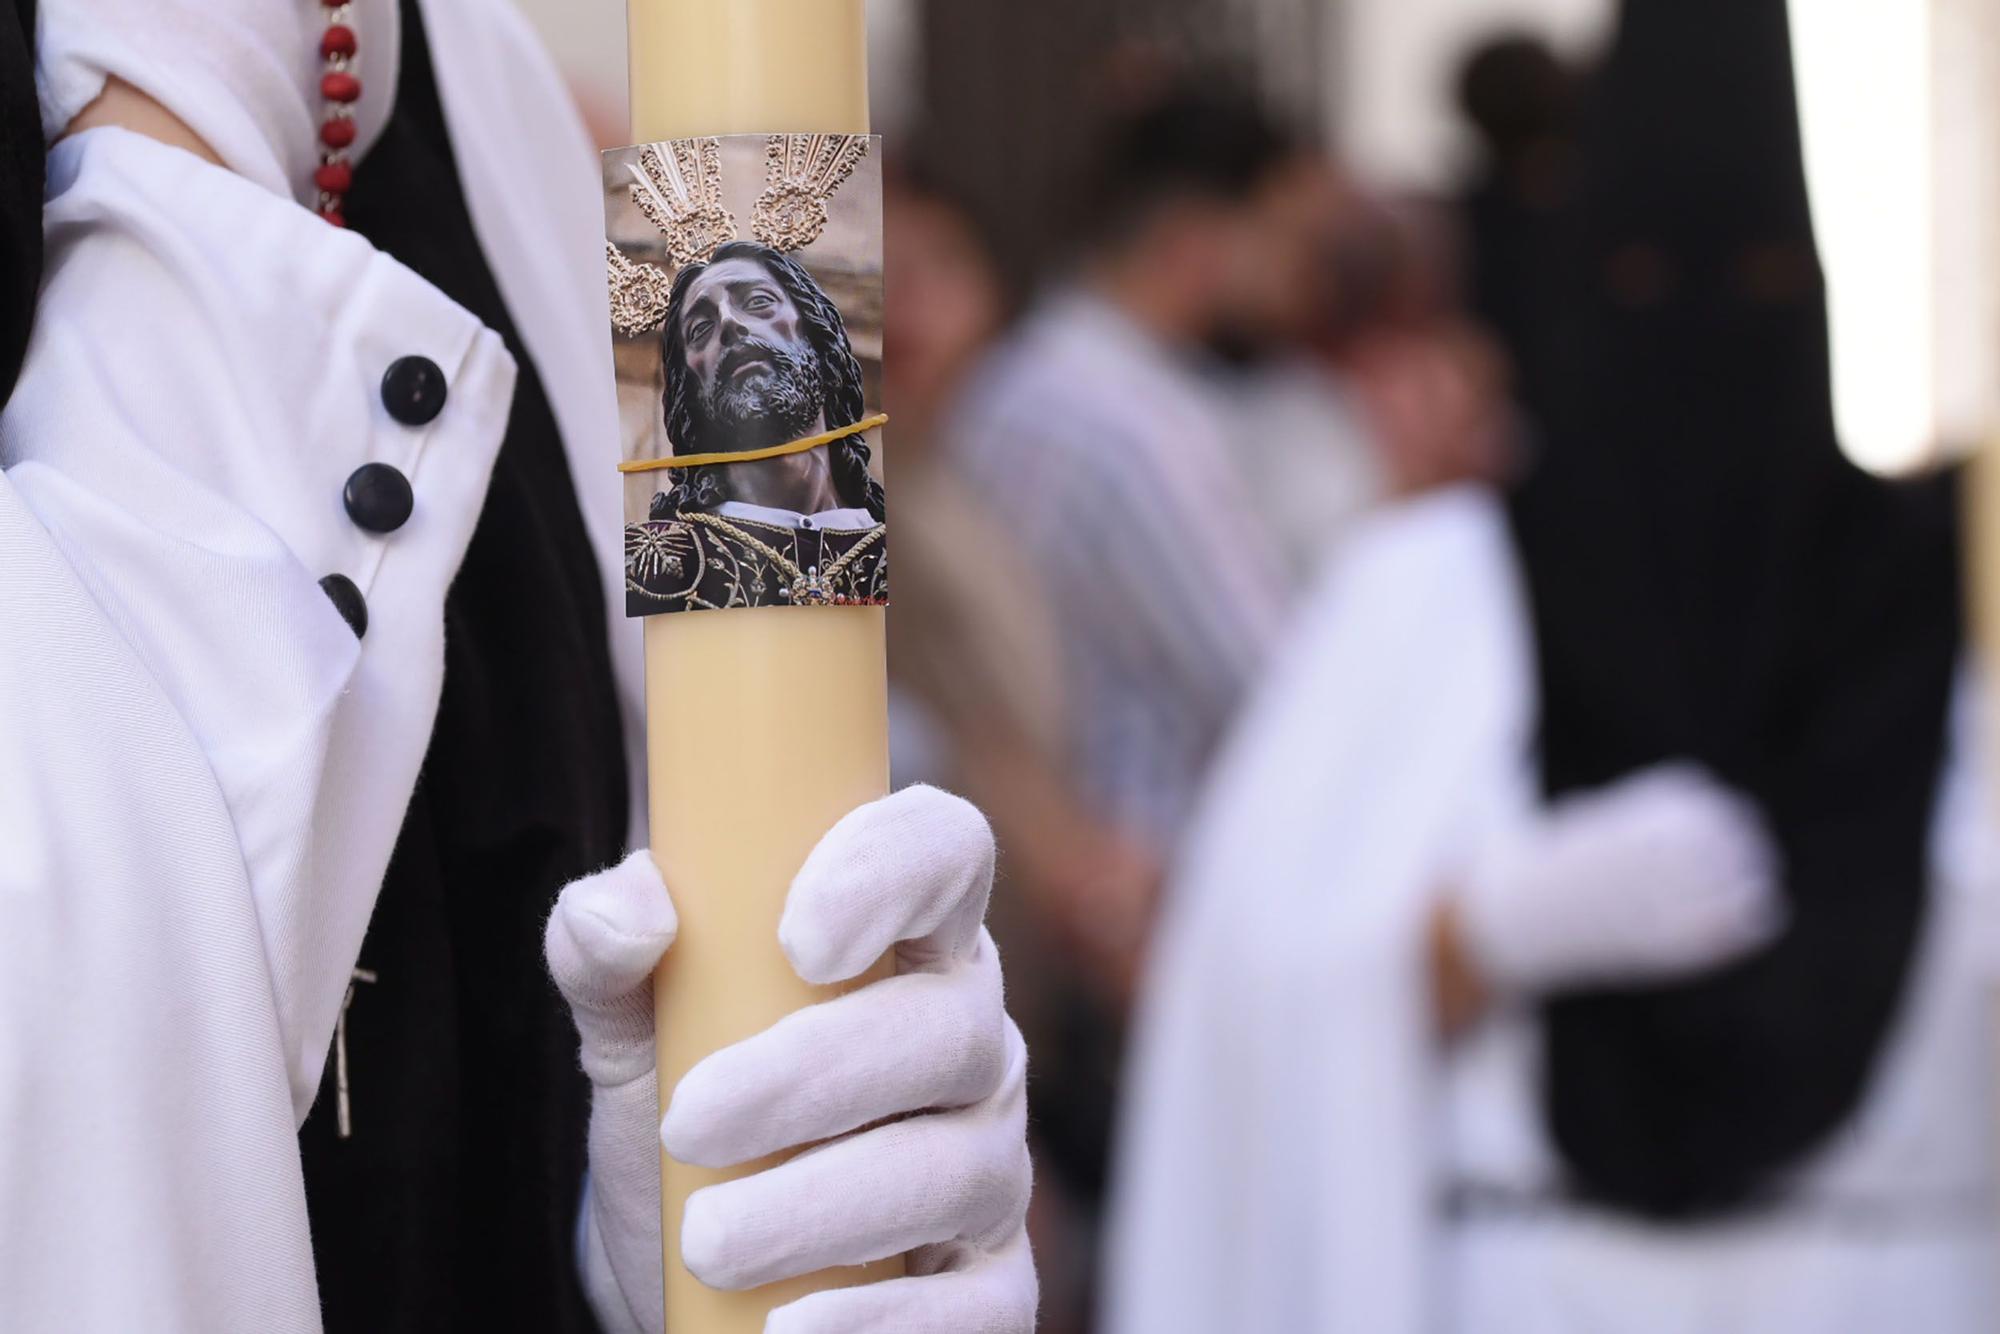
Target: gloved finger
[(947, 1176), (1705, 928), (1716, 887), (987, 1294), (606, 935), (1693, 809), (912, 870), (1734, 893), (904, 1044)]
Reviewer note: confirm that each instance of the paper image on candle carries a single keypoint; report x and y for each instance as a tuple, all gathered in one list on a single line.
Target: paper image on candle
[(749, 363)]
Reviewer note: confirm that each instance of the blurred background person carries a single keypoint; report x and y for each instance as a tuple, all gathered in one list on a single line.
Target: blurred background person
[(1433, 388), (1177, 437), (1685, 1111), (1300, 441), (1373, 382), (969, 581), (979, 705), (1096, 435), (1799, 1142)]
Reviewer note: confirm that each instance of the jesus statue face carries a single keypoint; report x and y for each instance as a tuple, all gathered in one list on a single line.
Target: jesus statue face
[(757, 375)]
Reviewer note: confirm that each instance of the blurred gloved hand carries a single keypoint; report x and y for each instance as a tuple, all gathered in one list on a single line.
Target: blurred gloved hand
[(1663, 874), (948, 1182)]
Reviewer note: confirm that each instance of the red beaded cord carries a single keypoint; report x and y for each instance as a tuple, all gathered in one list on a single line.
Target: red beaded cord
[(341, 90)]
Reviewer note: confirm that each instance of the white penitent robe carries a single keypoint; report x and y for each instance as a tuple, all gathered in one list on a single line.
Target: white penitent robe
[(1292, 1126), (1277, 1153), (202, 769)]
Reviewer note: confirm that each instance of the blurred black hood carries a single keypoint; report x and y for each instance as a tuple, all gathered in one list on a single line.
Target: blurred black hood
[(1712, 580)]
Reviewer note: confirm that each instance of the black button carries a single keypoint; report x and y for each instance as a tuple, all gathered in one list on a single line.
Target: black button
[(378, 498), (347, 600), (413, 390)]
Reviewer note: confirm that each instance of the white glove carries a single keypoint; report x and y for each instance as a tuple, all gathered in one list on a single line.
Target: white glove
[(948, 1182), (1658, 876)]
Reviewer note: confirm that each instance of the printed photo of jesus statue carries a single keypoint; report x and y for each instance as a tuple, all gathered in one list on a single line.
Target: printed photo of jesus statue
[(756, 355)]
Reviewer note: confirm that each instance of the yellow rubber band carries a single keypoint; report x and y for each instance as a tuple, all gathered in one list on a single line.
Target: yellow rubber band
[(752, 455)]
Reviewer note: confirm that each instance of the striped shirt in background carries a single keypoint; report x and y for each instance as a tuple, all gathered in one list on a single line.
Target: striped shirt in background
[(1107, 456)]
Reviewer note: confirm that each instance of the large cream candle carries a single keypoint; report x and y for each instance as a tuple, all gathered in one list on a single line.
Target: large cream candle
[(767, 724)]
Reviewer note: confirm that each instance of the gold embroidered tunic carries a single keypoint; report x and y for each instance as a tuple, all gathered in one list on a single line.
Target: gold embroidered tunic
[(698, 561)]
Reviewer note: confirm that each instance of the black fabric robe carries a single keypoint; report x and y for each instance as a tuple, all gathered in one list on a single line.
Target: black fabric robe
[(22, 156), (454, 1203)]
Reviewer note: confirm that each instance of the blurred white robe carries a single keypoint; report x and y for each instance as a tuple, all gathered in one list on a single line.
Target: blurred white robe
[(1290, 1125)]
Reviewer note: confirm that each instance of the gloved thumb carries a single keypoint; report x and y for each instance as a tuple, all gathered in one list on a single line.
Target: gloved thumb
[(607, 934)]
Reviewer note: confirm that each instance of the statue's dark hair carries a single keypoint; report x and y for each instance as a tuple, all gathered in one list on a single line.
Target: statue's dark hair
[(842, 394)]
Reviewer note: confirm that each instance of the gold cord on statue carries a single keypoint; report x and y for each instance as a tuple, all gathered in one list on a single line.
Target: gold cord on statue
[(754, 455)]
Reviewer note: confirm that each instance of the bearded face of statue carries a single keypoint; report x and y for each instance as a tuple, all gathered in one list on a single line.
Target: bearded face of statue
[(756, 375)]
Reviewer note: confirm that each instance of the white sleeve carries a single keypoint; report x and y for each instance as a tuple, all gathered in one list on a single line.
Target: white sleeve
[(150, 1165), (205, 376), (1286, 1012)]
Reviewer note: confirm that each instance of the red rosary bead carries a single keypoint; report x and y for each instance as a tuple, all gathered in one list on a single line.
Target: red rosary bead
[(335, 175)]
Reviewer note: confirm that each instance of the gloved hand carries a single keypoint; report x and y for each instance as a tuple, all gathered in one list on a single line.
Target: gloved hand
[(948, 1182), (1663, 874)]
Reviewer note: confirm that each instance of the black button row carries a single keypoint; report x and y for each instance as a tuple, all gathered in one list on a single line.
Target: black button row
[(377, 496)]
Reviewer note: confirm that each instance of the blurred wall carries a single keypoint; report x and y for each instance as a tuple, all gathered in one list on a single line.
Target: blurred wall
[(1965, 222), (1000, 99), (1394, 110), (1014, 92), (1906, 193), (587, 38)]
